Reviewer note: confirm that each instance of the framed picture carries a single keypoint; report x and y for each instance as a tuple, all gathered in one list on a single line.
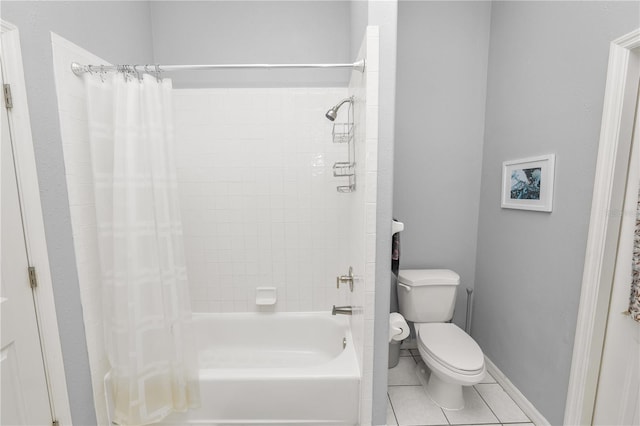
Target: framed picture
[(527, 184)]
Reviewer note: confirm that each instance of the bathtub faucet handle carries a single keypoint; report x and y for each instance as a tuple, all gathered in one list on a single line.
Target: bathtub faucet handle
[(342, 310), (348, 279)]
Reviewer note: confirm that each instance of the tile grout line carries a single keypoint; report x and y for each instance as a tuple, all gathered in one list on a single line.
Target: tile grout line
[(475, 424), (402, 385), (503, 390), (487, 404), (393, 410), (444, 414)]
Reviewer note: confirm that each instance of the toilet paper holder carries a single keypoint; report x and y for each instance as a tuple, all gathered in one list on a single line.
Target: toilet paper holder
[(398, 327)]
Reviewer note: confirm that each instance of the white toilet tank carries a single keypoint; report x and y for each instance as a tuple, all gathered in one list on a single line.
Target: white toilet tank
[(427, 295)]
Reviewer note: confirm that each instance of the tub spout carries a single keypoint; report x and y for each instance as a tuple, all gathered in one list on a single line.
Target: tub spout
[(342, 310)]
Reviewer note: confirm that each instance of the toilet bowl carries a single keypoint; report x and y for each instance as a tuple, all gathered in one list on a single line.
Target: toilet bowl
[(427, 297), (454, 359)]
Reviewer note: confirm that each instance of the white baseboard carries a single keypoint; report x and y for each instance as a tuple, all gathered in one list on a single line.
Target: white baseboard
[(515, 394)]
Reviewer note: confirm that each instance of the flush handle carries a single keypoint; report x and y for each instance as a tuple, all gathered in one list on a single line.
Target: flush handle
[(346, 279), (406, 287)]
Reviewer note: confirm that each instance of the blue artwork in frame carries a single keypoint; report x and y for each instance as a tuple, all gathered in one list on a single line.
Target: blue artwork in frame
[(527, 184)]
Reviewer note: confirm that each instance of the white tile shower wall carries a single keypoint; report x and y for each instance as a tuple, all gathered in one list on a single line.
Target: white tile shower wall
[(362, 213), (77, 160), (258, 197)]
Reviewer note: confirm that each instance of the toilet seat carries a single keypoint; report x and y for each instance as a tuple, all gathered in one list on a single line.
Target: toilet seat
[(451, 347)]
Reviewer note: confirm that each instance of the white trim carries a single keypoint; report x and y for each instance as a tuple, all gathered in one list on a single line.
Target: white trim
[(608, 197), (527, 407), (34, 224)]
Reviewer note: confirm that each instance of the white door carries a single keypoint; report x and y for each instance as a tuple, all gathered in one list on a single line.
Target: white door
[(618, 392), (24, 398)]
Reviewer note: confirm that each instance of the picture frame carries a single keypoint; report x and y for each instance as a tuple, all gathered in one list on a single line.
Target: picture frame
[(527, 184)]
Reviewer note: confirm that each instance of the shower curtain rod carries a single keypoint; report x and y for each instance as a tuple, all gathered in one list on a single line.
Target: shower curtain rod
[(79, 69)]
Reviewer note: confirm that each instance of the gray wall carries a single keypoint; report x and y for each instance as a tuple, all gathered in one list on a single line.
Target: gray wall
[(359, 15), (547, 71), (443, 49), (116, 31), (253, 32)]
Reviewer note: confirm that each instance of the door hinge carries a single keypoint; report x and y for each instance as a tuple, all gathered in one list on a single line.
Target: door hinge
[(33, 278), (55, 423), (8, 99)]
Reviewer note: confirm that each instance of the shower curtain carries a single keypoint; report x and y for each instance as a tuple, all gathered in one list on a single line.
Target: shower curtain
[(146, 310), (634, 297)]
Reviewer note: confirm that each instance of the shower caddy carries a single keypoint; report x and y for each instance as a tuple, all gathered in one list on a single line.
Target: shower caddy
[(343, 133)]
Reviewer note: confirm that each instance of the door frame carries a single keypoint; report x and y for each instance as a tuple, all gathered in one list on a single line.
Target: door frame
[(29, 193), (612, 166)]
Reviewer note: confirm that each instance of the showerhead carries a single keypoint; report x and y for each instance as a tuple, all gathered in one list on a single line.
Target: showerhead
[(332, 114)]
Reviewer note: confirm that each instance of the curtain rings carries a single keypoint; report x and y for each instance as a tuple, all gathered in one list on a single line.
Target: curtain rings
[(131, 71), (146, 69), (123, 69), (158, 71), (138, 73)]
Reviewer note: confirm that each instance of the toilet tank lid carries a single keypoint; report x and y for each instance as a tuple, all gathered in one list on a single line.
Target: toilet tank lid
[(418, 277)]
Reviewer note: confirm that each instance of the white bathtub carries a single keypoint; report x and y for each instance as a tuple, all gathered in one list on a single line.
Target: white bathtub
[(275, 368)]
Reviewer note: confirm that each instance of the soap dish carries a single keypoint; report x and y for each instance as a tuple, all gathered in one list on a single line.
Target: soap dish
[(265, 296)]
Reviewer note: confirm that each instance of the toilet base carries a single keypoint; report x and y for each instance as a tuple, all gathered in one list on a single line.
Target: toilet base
[(446, 395)]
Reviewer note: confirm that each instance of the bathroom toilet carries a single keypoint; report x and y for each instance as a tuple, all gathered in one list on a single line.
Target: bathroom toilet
[(427, 298)]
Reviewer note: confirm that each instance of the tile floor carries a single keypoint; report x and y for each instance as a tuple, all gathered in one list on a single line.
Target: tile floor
[(408, 405)]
